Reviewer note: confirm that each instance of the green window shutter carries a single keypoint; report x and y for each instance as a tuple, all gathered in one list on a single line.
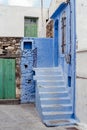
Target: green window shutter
[(7, 79), (1, 79), (30, 27)]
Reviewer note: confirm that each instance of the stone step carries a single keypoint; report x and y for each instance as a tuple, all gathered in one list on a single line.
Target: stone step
[(48, 77), (47, 69), (50, 82), (62, 122), (56, 107), (53, 94), (51, 88), (56, 115), (53, 73), (9, 101), (47, 101)]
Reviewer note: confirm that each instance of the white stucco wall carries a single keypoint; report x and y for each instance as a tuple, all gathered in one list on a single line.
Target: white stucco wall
[(81, 86), (12, 20), (82, 63), (54, 5), (81, 100), (81, 18)]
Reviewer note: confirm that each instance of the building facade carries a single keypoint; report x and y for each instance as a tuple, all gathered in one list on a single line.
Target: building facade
[(81, 31), (15, 19), (17, 22)]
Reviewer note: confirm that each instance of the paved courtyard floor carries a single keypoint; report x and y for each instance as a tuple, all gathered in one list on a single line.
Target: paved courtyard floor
[(22, 117)]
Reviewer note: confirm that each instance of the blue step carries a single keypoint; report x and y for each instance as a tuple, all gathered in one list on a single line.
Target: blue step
[(56, 115), (56, 107), (48, 77), (50, 82), (53, 94), (50, 69), (51, 88), (48, 101), (54, 101), (58, 122), (52, 73)]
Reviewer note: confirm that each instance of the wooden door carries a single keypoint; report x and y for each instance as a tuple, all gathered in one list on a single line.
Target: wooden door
[(7, 79)]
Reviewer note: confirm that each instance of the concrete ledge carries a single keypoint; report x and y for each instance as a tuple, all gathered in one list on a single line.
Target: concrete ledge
[(9, 101)]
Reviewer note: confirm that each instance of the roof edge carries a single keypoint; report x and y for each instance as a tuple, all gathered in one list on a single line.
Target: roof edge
[(58, 10)]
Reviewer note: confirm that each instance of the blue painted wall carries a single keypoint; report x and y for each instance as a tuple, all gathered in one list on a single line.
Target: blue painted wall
[(67, 60), (27, 83), (44, 58), (44, 52), (49, 51)]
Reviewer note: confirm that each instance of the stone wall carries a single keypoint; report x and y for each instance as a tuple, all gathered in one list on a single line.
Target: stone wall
[(10, 48), (49, 29), (27, 82)]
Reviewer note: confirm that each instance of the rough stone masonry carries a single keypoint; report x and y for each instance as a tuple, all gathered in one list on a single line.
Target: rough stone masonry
[(27, 82), (10, 48)]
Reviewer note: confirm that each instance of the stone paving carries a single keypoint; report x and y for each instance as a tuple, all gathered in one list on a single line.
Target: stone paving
[(22, 117)]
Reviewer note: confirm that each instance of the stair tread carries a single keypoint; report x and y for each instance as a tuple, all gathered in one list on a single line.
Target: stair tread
[(50, 81), (65, 98), (58, 86), (55, 75), (56, 105), (56, 122), (53, 92), (46, 68), (56, 113)]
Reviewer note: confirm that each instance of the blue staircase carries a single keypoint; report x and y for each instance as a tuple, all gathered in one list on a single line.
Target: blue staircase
[(53, 102)]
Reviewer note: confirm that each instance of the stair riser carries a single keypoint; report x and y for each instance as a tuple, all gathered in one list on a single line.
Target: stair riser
[(53, 95), (48, 78), (55, 117), (50, 83), (47, 70), (56, 109), (45, 102), (48, 73), (51, 89)]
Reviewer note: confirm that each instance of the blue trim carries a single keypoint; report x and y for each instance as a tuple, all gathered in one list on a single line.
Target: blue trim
[(58, 10)]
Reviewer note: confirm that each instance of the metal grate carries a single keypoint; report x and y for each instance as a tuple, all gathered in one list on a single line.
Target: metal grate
[(63, 32)]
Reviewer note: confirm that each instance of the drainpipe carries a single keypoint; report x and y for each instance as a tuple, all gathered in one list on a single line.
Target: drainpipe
[(42, 22)]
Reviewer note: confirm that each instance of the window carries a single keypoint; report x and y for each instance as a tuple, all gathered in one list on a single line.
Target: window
[(30, 27), (27, 45), (63, 21)]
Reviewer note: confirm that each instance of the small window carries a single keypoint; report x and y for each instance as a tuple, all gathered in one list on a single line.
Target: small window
[(30, 27), (69, 81), (27, 45), (63, 28)]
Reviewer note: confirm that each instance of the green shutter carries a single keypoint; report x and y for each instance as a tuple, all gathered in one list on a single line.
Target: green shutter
[(30, 27), (8, 79), (1, 79)]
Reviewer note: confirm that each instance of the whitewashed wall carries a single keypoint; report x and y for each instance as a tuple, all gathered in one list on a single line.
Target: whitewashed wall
[(81, 18), (81, 86), (82, 63), (12, 20), (81, 100), (54, 5)]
